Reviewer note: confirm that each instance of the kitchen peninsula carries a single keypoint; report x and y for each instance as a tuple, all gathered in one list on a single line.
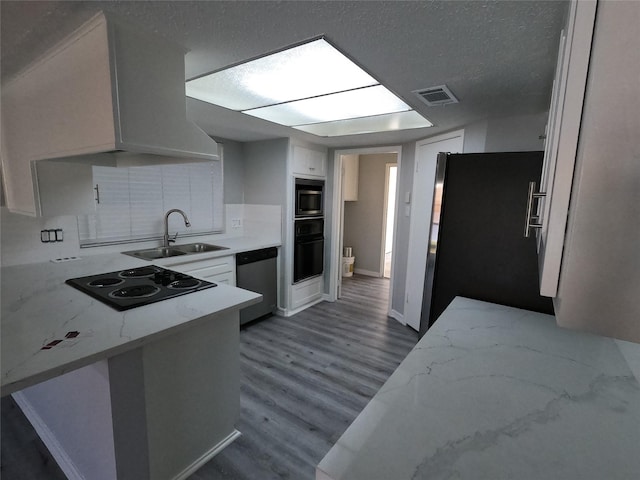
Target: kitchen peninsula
[(492, 392), (151, 392)]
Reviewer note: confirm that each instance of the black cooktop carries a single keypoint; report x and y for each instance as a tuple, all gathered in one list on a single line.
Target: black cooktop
[(135, 287)]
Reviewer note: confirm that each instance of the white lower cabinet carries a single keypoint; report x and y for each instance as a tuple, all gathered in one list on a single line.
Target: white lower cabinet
[(307, 291), (217, 270)]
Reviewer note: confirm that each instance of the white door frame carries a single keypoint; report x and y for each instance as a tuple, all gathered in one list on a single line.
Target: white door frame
[(387, 171), (335, 264)]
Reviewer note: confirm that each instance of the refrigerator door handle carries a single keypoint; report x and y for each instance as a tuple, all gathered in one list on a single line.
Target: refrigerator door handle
[(531, 221)]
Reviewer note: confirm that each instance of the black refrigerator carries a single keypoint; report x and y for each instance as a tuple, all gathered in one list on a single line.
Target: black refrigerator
[(477, 247)]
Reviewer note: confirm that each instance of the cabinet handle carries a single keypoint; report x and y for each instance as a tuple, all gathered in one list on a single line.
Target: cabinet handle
[(97, 189), (530, 220)]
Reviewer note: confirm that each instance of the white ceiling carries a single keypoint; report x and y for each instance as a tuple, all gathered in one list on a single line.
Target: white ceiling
[(498, 57)]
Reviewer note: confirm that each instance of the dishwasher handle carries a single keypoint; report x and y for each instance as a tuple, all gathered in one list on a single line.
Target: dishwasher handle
[(256, 255)]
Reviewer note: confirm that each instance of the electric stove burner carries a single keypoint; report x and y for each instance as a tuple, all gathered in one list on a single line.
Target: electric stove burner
[(106, 282), (137, 291), (139, 272), (135, 287), (184, 283)]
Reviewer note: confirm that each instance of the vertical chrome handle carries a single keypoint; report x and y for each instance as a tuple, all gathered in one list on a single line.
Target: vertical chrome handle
[(530, 220), (97, 189)]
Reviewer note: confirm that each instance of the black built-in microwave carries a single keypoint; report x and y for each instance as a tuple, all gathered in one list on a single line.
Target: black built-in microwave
[(309, 197)]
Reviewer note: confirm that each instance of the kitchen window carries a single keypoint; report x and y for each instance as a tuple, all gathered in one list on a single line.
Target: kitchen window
[(131, 202)]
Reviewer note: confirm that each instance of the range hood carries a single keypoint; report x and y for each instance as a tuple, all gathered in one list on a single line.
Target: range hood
[(106, 89)]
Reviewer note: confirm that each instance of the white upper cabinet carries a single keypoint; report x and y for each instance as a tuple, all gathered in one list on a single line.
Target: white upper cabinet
[(561, 143), (599, 282), (350, 177), (106, 88), (306, 161)]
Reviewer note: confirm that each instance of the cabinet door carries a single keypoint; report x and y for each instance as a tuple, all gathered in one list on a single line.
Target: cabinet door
[(350, 178), (227, 278), (562, 140), (308, 162), (218, 270)]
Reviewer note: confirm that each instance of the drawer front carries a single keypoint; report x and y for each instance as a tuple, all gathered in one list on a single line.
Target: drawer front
[(217, 270), (306, 292), (227, 278), (222, 264)]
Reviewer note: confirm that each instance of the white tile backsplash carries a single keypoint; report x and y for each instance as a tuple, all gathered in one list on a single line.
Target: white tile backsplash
[(263, 221), (21, 243), (21, 238)]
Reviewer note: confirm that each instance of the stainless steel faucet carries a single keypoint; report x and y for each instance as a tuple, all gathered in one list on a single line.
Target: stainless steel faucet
[(166, 224)]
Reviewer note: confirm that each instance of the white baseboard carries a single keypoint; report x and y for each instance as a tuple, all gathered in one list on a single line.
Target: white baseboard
[(48, 438), (368, 273), (292, 311), (397, 316), (207, 456)]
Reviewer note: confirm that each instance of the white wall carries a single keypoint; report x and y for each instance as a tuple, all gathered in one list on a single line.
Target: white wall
[(506, 134), (516, 134), (475, 137), (72, 413), (233, 171), (266, 171)]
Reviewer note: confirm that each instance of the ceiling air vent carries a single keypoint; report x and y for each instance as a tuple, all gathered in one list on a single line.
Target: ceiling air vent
[(433, 96)]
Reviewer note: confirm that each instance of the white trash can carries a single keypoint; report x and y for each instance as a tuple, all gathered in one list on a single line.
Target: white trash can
[(347, 266)]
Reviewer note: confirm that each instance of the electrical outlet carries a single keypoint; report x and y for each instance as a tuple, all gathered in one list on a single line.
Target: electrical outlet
[(51, 235), (64, 259), (236, 222)]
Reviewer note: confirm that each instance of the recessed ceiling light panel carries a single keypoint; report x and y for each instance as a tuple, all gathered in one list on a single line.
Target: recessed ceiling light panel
[(363, 102), (378, 123), (312, 83), (308, 70)]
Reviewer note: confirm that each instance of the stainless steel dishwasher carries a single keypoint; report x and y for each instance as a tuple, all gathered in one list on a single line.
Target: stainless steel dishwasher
[(257, 271)]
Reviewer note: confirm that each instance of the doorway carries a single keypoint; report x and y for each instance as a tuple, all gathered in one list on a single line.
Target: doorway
[(369, 255)]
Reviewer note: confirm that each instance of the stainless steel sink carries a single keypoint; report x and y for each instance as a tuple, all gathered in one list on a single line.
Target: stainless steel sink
[(165, 252), (198, 248), (155, 253)]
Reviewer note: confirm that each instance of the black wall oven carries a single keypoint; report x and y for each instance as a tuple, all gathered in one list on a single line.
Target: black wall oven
[(308, 259), (309, 198)]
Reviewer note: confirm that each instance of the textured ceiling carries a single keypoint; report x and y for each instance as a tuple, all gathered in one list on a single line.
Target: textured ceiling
[(497, 57)]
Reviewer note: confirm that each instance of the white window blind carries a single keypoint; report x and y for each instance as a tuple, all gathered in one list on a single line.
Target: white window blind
[(132, 202)]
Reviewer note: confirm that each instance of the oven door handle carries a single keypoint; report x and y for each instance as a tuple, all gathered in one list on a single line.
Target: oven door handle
[(303, 240)]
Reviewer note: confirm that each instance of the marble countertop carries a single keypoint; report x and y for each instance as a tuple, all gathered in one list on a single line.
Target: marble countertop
[(493, 392), (38, 308)]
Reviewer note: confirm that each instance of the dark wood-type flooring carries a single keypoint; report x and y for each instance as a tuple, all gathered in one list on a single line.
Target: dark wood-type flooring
[(304, 380)]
